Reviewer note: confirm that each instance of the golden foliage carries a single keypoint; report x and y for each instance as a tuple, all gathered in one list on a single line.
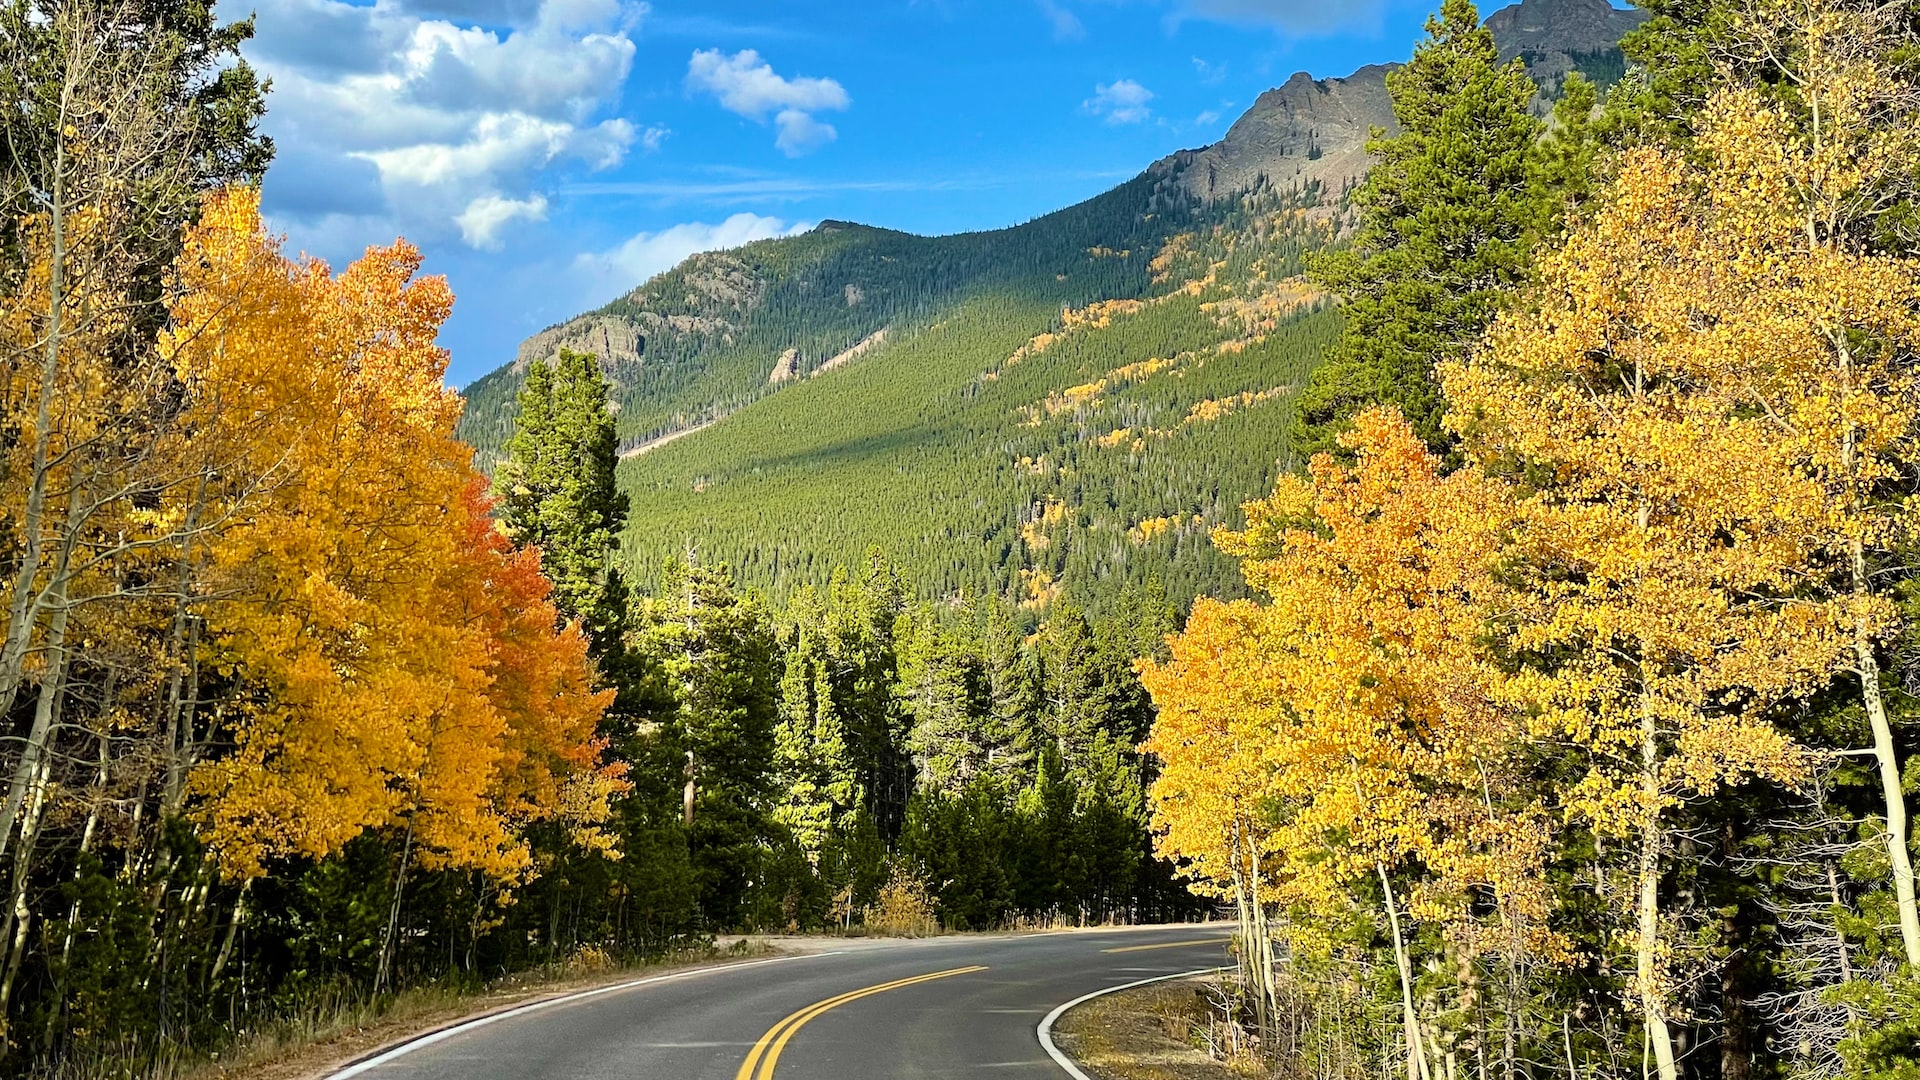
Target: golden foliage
[(1351, 723), (1047, 516), (403, 662), (1211, 409)]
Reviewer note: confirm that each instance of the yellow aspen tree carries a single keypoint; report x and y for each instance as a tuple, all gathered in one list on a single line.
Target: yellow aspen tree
[(1664, 535), (82, 394), (1383, 577), (1831, 333), (398, 667), (1359, 701), (1218, 701)]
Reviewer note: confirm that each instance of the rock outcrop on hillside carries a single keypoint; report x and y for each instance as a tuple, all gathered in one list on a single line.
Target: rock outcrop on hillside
[(1314, 131), (1544, 28)]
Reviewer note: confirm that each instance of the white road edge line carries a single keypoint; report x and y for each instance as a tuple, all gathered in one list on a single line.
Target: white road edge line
[(423, 1041), (1045, 1030)]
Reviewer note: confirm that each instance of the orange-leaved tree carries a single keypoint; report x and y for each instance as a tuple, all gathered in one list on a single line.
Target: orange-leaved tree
[(391, 663)]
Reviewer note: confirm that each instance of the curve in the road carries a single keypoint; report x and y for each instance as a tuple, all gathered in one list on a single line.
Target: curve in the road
[(766, 1053), (899, 1010), (379, 1058)]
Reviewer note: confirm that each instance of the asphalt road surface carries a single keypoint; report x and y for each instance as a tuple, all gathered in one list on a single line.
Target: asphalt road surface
[(904, 1010)]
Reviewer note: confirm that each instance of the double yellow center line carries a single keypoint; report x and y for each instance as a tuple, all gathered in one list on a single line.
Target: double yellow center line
[(766, 1053)]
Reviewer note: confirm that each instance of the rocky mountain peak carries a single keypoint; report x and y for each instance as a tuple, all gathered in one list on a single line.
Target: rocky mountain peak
[(1314, 131), (1534, 28)]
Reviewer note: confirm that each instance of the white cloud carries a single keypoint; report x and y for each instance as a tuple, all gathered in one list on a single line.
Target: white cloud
[(1120, 102), (480, 223), (800, 133), (651, 138), (1207, 118), (748, 86), (460, 124), (495, 143), (609, 273), (1066, 25)]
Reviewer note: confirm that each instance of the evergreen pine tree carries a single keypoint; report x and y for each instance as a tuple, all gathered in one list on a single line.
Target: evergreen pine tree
[(943, 686), (1447, 219), (1011, 672), (717, 653), (557, 491), (815, 785), (861, 643)]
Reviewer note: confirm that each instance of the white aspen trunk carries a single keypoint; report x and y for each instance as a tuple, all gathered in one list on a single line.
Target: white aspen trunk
[(384, 970), (1247, 901), (183, 688), (1263, 947), (1647, 937), (24, 609), (27, 771), (233, 931), (20, 916), (1886, 755), (1417, 1067)]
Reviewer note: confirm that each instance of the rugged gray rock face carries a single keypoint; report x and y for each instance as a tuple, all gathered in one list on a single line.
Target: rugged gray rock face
[(1306, 131), (1314, 131), (1542, 28), (613, 340), (710, 287)]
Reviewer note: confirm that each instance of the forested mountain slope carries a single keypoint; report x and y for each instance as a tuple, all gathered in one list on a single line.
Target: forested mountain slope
[(1013, 447), (723, 329), (931, 395)]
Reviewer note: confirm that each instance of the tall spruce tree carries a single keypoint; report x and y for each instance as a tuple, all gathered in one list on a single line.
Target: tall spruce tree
[(1447, 220), (718, 654), (815, 784), (557, 491)]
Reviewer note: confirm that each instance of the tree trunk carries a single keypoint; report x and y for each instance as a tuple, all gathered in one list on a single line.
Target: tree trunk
[(19, 920), (1246, 900), (1417, 1067), (1647, 939), (233, 931), (1263, 948), (686, 795), (384, 969), (24, 609), (40, 736), (1899, 851)]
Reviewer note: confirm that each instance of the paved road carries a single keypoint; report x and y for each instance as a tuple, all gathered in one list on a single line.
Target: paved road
[(944, 1007)]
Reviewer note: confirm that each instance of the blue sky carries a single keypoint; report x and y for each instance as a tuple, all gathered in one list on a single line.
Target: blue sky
[(548, 155)]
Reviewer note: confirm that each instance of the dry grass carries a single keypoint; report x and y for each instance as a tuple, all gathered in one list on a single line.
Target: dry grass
[(1148, 1033), (327, 1035)]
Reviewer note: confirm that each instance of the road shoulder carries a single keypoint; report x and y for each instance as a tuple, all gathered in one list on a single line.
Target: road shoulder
[(1145, 1033), (318, 1048)]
